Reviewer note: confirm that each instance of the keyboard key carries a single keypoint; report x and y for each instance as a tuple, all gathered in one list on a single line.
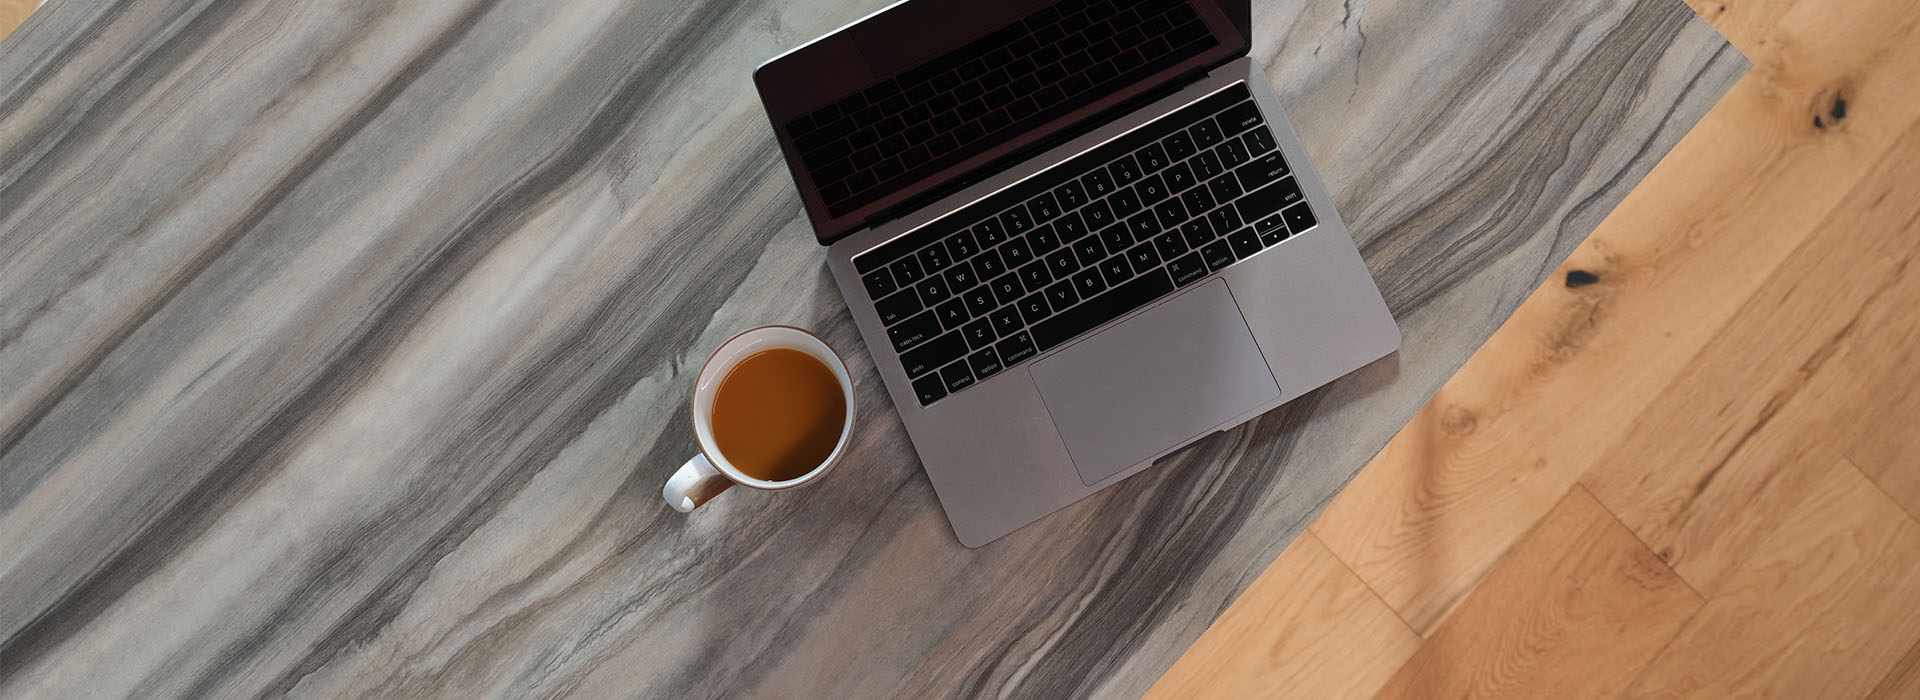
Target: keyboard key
[(1172, 213), (1124, 170), (1198, 232), (934, 259), (1089, 250), (914, 331), (957, 376), (1152, 157), (1217, 255), (1016, 252), (1098, 214), (1043, 240), (1198, 199), (1178, 146), (906, 271), (1257, 205), (1271, 225), (1061, 262), (1101, 309), (1143, 256), (1034, 307), (1043, 208), (1015, 222), (1139, 228), (1151, 190), (879, 283), (1233, 153), (1034, 275), (1205, 134), (1016, 349), (1238, 118), (1243, 242), (926, 332), (1225, 188), (1098, 183), (951, 314), (1258, 141), (1116, 270), (1299, 218), (1070, 195), (933, 290), (1006, 288), (1170, 244), (1261, 171), (979, 334), (1006, 320), (1206, 165), (961, 276), (935, 353), (1088, 282), (979, 300), (989, 233), (1187, 268), (929, 389), (898, 307), (1070, 227), (985, 363), (988, 265), (1125, 202), (1224, 218), (1179, 177), (1061, 295), (961, 246)]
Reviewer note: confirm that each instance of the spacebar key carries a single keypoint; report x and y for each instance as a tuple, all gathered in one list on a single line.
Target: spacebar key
[(1101, 309)]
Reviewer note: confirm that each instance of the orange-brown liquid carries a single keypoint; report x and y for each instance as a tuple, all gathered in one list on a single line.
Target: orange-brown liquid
[(778, 414)]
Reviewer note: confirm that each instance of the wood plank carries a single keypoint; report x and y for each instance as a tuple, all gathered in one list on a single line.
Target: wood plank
[(1826, 607), (1745, 23), (1575, 611), (1499, 445), (1902, 682), (1310, 629), (1728, 446)]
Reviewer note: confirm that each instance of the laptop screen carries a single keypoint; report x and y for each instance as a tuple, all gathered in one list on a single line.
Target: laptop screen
[(856, 146)]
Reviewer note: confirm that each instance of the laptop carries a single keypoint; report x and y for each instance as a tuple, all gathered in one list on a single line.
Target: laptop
[(1076, 236)]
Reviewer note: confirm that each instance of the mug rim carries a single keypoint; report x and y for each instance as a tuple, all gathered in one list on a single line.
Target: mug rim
[(726, 467)]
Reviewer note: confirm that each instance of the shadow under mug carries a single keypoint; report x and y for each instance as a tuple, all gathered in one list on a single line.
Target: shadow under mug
[(709, 473)]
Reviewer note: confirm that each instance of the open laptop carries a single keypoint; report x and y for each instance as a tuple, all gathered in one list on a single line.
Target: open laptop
[(1076, 235)]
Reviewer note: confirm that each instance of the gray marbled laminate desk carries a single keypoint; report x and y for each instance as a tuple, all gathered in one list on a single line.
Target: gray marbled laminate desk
[(344, 347)]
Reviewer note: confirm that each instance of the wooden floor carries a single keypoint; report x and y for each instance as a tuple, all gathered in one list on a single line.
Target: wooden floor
[(1690, 465)]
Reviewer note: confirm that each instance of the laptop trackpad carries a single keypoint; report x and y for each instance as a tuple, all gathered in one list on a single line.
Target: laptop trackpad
[(1167, 375)]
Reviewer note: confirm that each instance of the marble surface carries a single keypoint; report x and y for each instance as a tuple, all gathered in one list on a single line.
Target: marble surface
[(344, 347)]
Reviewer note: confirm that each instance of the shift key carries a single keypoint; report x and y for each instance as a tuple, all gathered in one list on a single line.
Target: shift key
[(1272, 198), (1116, 302)]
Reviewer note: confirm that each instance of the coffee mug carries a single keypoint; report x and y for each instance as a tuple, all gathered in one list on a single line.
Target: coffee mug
[(710, 472)]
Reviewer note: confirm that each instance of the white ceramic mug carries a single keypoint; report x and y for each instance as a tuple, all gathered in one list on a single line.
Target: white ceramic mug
[(709, 473)]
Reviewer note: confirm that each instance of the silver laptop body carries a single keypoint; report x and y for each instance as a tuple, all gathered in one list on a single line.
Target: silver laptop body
[(1219, 350)]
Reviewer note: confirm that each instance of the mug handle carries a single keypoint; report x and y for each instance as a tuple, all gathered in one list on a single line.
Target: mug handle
[(695, 483)]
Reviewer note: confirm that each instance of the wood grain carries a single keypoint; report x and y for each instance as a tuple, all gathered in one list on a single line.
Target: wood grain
[(1763, 394), (1827, 607), (1340, 641), (1579, 361), (1575, 611), (13, 12), (1902, 681), (343, 348)]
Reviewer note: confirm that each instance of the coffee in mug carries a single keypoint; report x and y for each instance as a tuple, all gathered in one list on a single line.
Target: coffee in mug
[(773, 408)]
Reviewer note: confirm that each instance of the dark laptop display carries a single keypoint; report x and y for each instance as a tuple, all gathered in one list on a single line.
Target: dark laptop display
[(859, 142)]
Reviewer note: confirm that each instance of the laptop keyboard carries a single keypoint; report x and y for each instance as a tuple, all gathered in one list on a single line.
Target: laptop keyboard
[(983, 94), (1085, 242)]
